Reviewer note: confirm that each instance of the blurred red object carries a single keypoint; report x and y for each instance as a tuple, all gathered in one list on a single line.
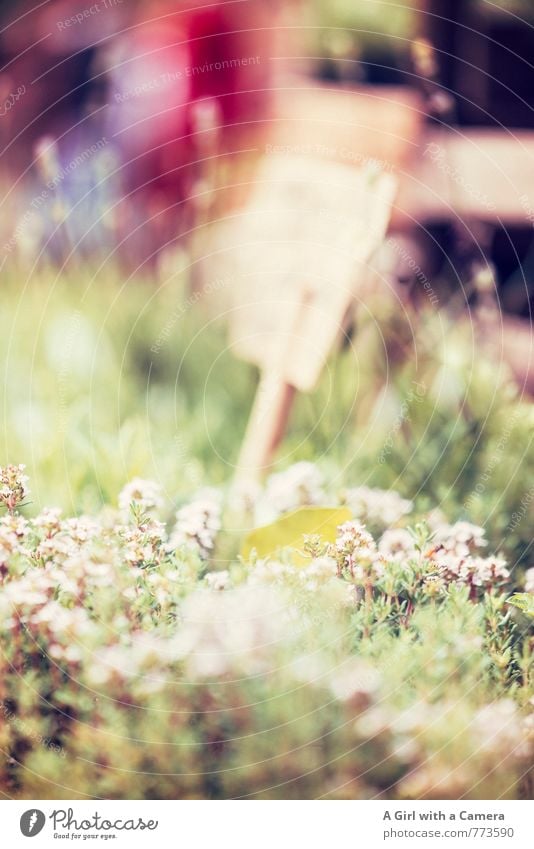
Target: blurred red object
[(237, 36), (186, 87), (160, 82)]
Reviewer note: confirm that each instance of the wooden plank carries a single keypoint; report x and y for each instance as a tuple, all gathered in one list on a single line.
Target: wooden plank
[(312, 228), (483, 174)]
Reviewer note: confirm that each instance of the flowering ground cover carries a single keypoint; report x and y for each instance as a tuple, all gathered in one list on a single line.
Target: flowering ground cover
[(382, 662), (357, 627)]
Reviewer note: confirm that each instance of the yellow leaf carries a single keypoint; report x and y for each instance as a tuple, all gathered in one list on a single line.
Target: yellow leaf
[(289, 530), (524, 601)]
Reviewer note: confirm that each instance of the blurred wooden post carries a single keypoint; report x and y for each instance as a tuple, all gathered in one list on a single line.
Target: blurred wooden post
[(272, 407), (311, 228), (266, 426)]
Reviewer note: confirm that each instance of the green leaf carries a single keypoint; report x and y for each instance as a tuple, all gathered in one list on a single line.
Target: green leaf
[(289, 530), (524, 601)]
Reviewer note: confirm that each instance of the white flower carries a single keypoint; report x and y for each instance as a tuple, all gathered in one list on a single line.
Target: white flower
[(529, 581), (355, 550), (238, 631), (81, 529), (321, 569), (80, 571), (48, 521), (16, 525), (300, 485), (218, 580), (244, 497), (319, 572), (397, 544), (473, 571), (487, 571), (62, 621), (57, 548), (269, 572), (198, 523), (461, 539), (13, 531), (146, 495), (32, 590), (354, 536), (144, 542), (13, 489), (380, 506)]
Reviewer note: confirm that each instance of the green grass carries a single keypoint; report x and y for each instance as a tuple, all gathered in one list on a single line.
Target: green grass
[(87, 404), (106, 378)]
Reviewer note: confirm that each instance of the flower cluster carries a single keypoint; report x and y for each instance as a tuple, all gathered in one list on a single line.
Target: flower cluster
[(356, 553), (218, 580), (397, 544), (484, 572), (13, 531), (235, 632), (198, 523), (144, 495), (460, 539), (112, 632), (454, 550), (144, 541), (300, 485), (13, 489), (377, 506)]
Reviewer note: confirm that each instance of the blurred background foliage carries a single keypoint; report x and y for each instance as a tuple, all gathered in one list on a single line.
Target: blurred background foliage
[(346, 34), (109, 373), (106, 378), (117, 363)]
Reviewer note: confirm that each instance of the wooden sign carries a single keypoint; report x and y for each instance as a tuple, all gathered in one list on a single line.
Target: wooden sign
[(306, 243)]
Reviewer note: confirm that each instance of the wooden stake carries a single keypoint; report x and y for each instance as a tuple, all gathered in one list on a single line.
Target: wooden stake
[(272, 406), (311, 230), (266, 427)]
